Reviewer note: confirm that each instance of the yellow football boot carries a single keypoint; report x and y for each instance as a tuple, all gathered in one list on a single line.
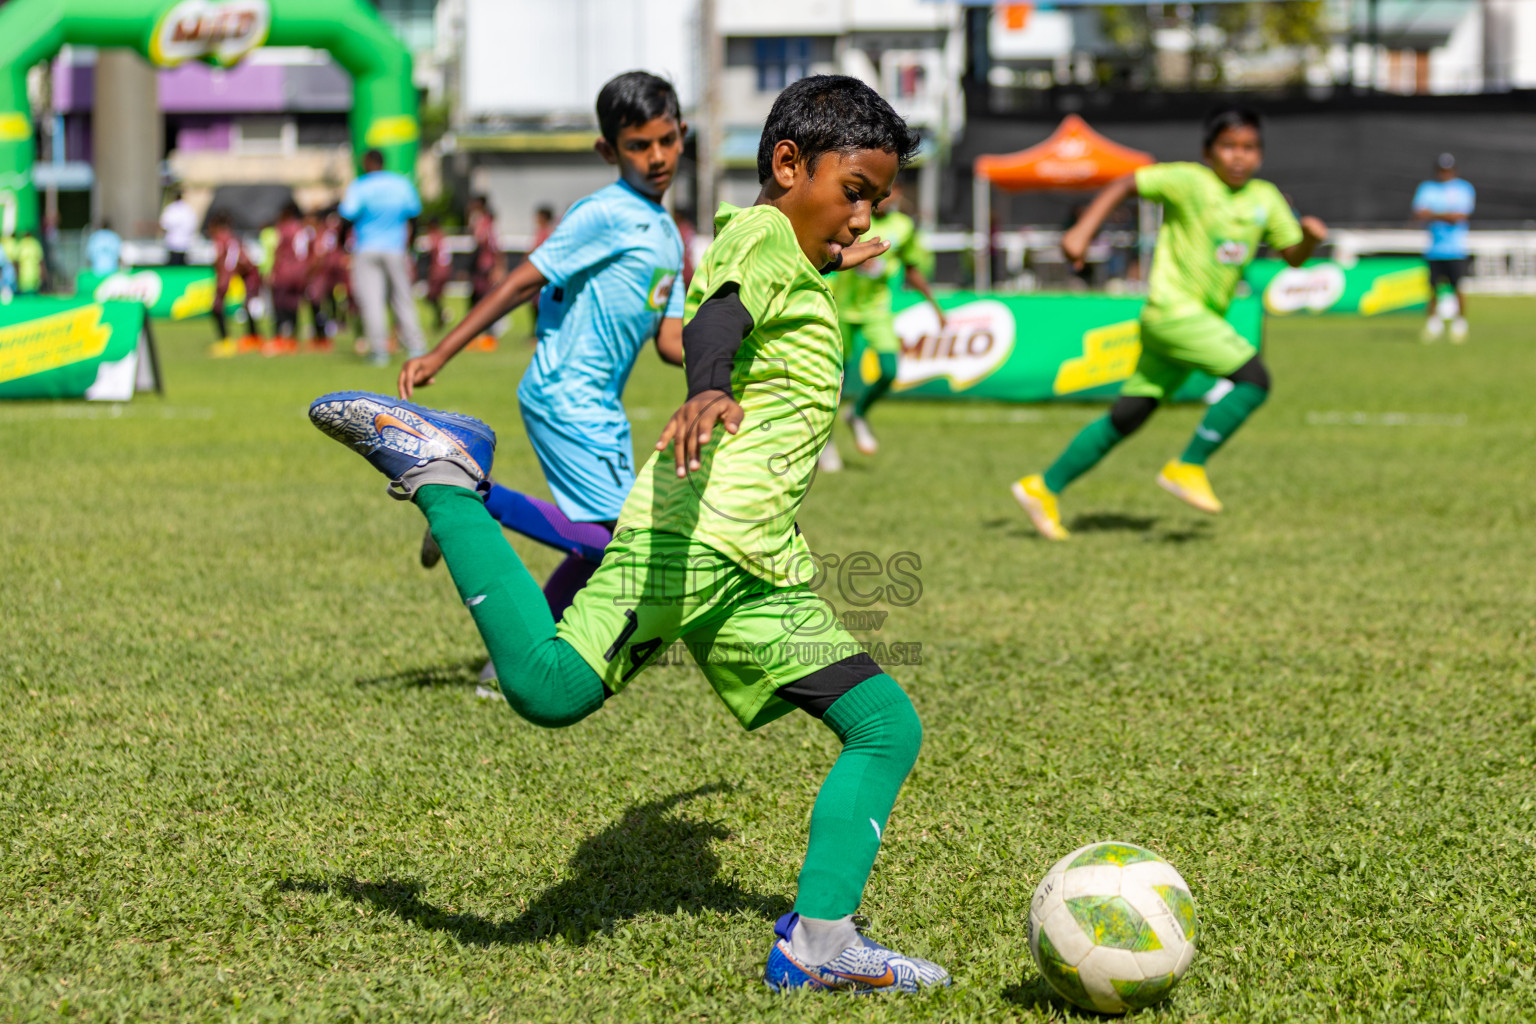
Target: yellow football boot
[(1190, 485), (223, 349), (1036, 499)]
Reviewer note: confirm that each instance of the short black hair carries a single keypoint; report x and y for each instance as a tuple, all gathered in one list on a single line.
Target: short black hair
[(1232, 116), (632, 99), (833, 114), (547, 212), (373, 156)]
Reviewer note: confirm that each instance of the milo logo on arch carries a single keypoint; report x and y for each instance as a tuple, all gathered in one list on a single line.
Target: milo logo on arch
[(976, 339), (222, 31)]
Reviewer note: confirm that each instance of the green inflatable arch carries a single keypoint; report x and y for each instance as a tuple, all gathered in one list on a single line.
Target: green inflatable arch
[(169, 32)]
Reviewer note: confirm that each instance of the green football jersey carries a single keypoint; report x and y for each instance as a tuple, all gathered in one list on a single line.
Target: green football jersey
[(743, 499), (864, 293), (1210, 233)]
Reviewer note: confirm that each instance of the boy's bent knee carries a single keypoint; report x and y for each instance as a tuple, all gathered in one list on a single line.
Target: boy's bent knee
[(1129, 412), (554, 688), (1252, 372), (878, 711)]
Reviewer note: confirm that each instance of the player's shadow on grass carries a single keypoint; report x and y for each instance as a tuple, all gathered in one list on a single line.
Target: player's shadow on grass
[(650, 861), (1035, 993), (454, 673)]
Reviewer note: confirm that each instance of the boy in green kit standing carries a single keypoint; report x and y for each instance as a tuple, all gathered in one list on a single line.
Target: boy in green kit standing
[(1215, 215), (864, 309), (706, 549)]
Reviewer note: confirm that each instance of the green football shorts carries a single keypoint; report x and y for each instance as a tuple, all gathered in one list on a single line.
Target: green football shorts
[(1172, 348), (879, 335), (749, 637)]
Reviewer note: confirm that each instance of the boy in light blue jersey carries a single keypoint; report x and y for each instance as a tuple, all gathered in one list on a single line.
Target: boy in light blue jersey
[(606, 282), (1443, 206)]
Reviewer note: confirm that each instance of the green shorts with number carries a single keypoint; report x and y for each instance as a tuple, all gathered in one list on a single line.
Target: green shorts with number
[(747, 636), (1174, 347), (879, 334)]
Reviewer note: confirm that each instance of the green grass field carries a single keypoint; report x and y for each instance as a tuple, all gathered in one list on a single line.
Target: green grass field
[(244, 773)]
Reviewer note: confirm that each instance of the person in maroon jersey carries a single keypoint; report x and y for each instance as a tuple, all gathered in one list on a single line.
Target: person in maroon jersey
[(230, 262), (290, 276), (316, 282), (486, 265), (439, 268)]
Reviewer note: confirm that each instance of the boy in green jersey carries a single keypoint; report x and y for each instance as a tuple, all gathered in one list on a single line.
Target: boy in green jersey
[(864, 308), (706, 550), (1215, 215)]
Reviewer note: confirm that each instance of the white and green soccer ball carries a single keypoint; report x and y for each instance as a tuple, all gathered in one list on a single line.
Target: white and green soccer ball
[(1112, 927)]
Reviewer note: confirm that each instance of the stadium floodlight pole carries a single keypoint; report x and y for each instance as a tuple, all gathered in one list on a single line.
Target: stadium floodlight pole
[(712, 56), (981, 229)]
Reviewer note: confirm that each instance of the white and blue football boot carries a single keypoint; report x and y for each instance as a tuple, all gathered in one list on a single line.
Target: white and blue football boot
[(867, 967), (396, 436)]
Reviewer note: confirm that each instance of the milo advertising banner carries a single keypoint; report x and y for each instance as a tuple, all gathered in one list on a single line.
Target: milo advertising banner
[(1383, 284), (1025, 348), (75, 348), (171, 293)]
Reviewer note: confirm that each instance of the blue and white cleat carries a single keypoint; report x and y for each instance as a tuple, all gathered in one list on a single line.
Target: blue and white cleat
[(868, 967), (396, 436)]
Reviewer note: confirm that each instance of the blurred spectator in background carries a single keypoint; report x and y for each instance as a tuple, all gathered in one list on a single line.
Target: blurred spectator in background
[(7, 277), (439, 269), (380, 205), (31, 264), (326, 273), (485, 263), (543, 225), (178, 222), (26, 256), (289, 277), (103, 250), (230, 261), (689, 235), (1444, 205)]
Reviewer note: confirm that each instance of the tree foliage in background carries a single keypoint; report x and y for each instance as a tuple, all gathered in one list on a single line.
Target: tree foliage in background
[(1218, 31)]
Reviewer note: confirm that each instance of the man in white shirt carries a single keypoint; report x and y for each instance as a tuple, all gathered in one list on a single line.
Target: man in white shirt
[(179, 223)]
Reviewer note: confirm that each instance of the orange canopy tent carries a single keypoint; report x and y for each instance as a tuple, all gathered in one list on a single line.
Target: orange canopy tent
[(1074, 157)]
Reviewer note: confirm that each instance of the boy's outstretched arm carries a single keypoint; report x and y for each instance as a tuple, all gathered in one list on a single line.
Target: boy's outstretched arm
[(518, 287), (709, 345), (669, 340), (919, 283), (1074, 243), (1313, 233)]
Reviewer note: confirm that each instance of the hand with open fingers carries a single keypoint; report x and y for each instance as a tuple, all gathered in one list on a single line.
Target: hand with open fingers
[(1315, 228), (691, 427), (1074, 245), (860, 251), (418, 373)]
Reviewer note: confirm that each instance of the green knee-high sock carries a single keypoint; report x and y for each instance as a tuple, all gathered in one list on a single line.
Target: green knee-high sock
[(878, 389), (1091, 444), (881, 736), (542, 676), (1222, 420)]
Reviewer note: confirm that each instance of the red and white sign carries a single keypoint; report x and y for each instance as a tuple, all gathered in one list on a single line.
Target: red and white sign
[(977, 338)]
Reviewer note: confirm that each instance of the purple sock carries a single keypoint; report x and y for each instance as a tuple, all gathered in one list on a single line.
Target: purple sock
[(569, 576), (547, 524)]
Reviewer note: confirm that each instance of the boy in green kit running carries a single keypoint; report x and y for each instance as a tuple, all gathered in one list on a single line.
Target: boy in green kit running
[(1215, 215), (706, 550), (864, 308)]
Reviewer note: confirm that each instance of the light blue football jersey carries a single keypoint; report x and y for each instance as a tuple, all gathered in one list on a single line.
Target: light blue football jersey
[(1447, 241), (613, 265)]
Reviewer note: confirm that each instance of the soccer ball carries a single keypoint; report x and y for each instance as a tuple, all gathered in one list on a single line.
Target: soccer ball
[(1112, 927)]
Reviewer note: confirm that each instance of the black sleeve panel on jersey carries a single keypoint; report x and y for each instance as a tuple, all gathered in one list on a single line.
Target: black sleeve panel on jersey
[(711, 338)]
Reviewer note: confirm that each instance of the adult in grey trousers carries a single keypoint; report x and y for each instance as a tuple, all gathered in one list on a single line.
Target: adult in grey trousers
[(380, 205)]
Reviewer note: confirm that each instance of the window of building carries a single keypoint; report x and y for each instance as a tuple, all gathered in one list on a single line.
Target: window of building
[(412, 20), (263, 135), (781, 60)]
